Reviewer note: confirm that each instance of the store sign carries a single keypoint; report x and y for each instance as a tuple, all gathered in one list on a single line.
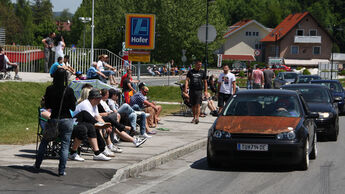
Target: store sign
[(140, 31)]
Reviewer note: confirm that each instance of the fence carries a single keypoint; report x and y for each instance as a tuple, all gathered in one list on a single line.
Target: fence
[(31, 58)]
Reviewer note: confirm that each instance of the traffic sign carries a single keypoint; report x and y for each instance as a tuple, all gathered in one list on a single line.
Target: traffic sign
[(257, 52), (211, 35), (140, 31), (219, 61), (139, 56)]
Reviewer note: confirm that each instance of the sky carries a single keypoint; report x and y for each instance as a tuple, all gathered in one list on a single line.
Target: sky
[(59, 5)]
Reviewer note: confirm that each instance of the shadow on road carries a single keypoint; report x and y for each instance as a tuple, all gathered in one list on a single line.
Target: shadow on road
[(250, 167)]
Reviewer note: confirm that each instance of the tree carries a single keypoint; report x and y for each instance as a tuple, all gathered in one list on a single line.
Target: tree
[(24, 14), (9, 21)]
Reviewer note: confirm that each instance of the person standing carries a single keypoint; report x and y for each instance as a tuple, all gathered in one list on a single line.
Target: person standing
[(268, 76), (249, 78), (226, 87), (196, 81), (258, 78), (48, 53), (59, 46), (54, 94)]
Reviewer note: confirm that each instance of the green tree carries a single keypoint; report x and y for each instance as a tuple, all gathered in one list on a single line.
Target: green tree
[(24, 14), (9, 21)]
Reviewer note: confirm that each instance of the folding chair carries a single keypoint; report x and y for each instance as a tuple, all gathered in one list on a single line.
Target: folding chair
[(3, 72), (53, 147)]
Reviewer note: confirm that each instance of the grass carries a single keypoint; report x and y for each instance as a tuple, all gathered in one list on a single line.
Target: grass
[(19, 102), (168, 109)]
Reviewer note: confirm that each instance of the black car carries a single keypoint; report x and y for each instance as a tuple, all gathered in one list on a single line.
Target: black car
[(337, 91), (320, 100), (284, 78), (306, 79), (263, 126)]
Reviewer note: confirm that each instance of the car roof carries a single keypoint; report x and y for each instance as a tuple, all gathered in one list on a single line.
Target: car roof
[(305, 86), (308, 76), (325, 81), (288, 72), (267, 91)]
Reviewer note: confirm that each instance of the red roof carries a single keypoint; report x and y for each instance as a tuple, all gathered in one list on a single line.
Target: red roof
[(236, 26), (284, 27), (239, 57), (63, 26)]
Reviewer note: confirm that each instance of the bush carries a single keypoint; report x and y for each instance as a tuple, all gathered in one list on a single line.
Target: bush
[(241, 74), (298, 68), (342, 72), (277, 71), (306, 72)]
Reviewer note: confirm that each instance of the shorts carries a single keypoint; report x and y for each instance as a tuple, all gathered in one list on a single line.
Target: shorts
[(195, 97), (223, 98)]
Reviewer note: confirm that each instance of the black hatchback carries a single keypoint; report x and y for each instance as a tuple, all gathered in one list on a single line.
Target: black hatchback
[(263, 126), (320, 100)]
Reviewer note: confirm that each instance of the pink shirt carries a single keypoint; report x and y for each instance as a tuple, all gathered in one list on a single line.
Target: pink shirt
[(257, 76)]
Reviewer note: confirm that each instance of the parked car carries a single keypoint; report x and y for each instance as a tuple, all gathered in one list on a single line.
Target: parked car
[(263, 126), (237, 67), (306, 79), (337, 91), (320, 100), (280, 67), (284, 78)]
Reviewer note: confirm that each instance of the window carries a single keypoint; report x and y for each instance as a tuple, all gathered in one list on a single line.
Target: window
[(249, 33), (299, 32), (294, 50), (256, 33), (316, 50), (312, 32), (258, 46)]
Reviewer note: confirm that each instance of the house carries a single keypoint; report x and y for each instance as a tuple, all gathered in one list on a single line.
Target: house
[(243, 39), (300, 40)]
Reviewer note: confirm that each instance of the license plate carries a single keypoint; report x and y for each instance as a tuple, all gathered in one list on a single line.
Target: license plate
[(252, 147)]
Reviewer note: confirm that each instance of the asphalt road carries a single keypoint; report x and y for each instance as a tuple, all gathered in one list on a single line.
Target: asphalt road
[(190, 174), (159, 81)]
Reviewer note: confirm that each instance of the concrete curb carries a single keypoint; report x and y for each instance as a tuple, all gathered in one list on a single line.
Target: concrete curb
[(150, 163)]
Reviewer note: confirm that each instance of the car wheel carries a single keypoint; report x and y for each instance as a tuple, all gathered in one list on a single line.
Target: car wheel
[(304, 165), (333, 133), (211, 160), (313, 153)]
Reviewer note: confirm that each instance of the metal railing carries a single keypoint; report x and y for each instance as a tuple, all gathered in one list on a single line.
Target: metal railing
[(31, 58)]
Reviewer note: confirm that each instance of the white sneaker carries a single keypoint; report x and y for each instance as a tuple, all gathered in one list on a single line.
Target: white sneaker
[(115, 149), (146, 136), (137, 142), (108, 152), (75, 157), (101, 157)]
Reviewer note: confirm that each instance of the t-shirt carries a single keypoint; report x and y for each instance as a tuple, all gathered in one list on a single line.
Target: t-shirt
[(49, 41), (113, 105), (53, 68), (86, 106), (53, 98), (105, 106), (138, 98), (257, 76), (100, 65), (225, 81), (268, 75), (91, 72), (196, 79), (125, 87)]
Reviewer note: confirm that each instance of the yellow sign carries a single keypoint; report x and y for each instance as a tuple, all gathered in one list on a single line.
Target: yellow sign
[(139, 57)]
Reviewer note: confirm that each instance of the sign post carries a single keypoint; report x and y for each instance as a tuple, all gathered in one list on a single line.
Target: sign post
[(140, 35)]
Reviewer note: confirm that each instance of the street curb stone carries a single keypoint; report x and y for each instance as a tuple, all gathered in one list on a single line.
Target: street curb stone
[(135, 169)]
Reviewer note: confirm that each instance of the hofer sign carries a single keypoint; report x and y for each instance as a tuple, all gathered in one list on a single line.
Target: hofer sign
[(140, 31)]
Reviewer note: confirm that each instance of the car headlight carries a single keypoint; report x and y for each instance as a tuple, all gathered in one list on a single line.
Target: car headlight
[(221, 134), (286, 135), (325, 115)]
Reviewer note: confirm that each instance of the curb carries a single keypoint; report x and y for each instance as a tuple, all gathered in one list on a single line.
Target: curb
[(135, 169)]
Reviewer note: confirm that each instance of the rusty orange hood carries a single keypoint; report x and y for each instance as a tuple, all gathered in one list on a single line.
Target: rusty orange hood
[(256, 124)]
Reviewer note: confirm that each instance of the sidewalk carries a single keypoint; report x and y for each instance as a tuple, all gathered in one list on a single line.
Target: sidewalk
[(182, 138)]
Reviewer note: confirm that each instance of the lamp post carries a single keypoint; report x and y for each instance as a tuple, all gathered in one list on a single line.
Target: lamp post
[(206, 46), (332, 51), (92, 30), (84, 20)]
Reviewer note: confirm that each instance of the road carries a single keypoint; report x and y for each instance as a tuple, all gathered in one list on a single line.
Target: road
[(190, 174), (159, 81)]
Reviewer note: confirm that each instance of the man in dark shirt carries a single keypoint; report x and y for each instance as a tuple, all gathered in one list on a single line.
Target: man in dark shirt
[(268, 76), (127, 87), (48, 53), (196, 81)]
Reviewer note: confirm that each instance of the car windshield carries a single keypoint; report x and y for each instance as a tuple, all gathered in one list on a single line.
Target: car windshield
[(290, 76), (313, 94), (263, 105), (304, 79), (333, 86)]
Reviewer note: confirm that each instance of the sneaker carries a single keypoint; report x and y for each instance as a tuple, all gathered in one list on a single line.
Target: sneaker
[(101, 157), (137, 142), (62, 173), (108, 152), (100, 125), (115, 149), (75, 157), (17, 77), (146, 136)]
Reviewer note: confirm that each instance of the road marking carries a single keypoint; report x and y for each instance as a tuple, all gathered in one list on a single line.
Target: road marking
[(324, 176)]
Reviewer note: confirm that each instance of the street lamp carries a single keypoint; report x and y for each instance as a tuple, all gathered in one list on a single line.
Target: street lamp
[(92, 29), (84, 20), (206, 46), (333, 30)]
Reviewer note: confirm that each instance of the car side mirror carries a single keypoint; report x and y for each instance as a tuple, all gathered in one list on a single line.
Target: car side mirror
[(337, 99), (313, 115)]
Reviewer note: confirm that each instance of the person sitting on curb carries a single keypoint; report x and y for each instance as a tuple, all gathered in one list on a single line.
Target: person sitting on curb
[(93, 73), (101, 64)]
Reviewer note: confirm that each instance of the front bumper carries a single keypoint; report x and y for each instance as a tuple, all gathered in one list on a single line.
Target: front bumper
[(282, 152), (324, 125)]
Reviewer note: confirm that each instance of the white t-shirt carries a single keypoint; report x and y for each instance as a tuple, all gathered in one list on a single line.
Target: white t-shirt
[(86, 105), (113, 105), (59, 51), (100, 65), (226, 82), (6, 61), (105, 106)]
